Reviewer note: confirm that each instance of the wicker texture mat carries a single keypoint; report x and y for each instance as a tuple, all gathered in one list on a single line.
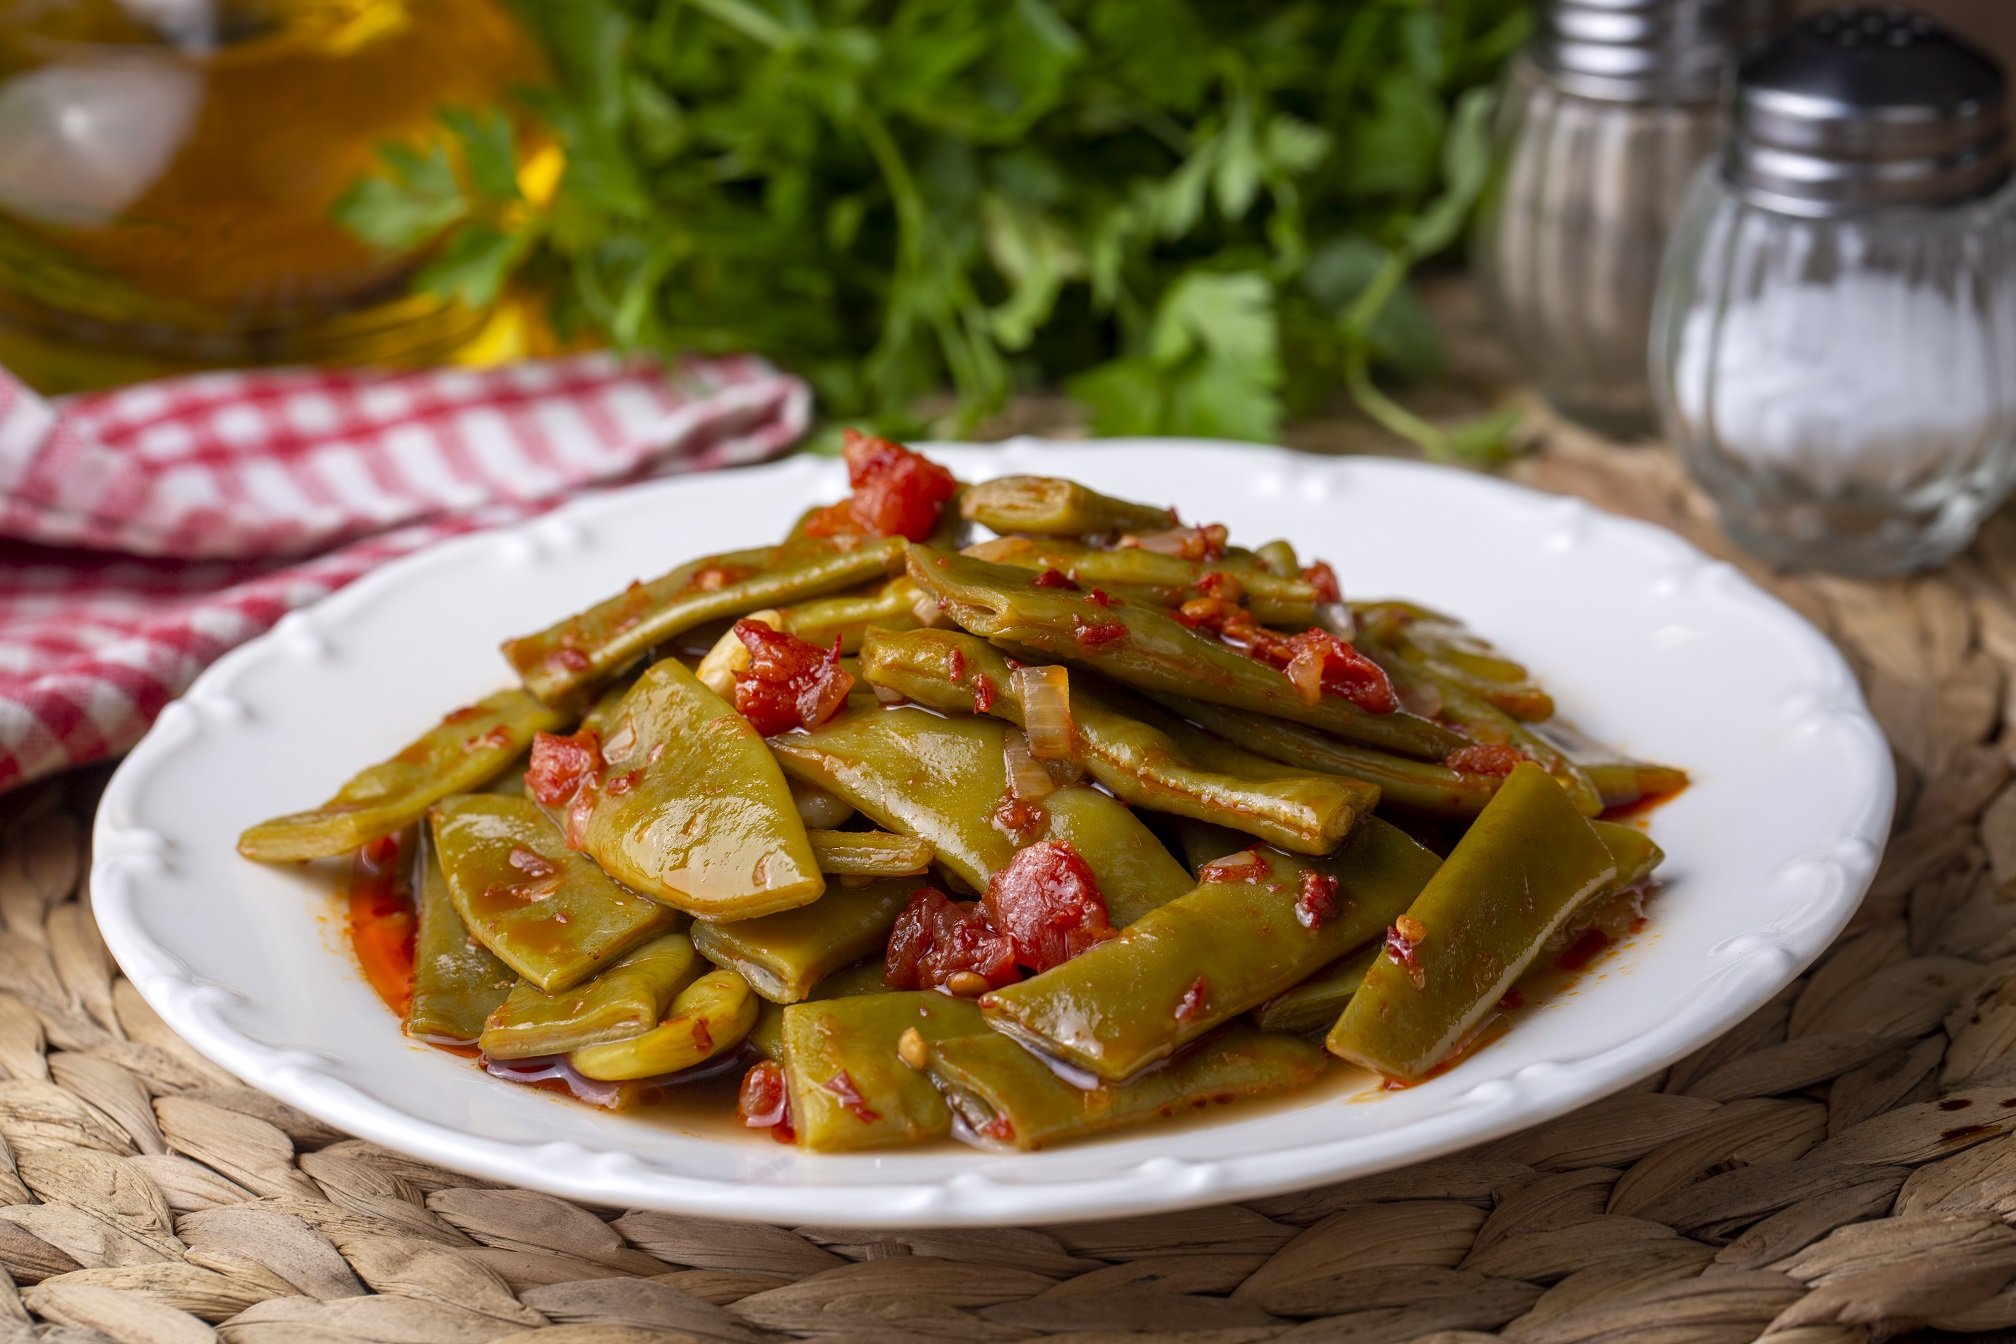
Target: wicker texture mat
[(1839, 1168)]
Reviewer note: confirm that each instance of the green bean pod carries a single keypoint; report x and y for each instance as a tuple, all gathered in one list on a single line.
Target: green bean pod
[(627, 998), (783, 956), (1527, 865), (766, 1038), (849, 616), (1484, 722), (1227, 946), (1164, 580), (849, 1087), (869, 853), (1138, 754), (1054, 507), (709, 1018), (1314, 1004), (463, 752), (1414, 786), (1007, 1098), (546, 912), (1147, 648), (943, 779), (592, 646), (691, 808), (456, 980), (1445, 648)]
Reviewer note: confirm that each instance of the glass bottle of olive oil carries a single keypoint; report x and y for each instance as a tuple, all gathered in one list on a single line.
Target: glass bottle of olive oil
[(167, 170)]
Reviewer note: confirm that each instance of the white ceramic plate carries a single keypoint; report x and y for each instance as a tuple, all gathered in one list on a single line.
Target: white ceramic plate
[(1646, 642)]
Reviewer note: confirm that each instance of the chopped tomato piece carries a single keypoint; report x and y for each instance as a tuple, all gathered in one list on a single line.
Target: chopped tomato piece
[(1096, 634), (1098, 597), (1020, 818), (1196, 1001), (1491, 758), (791, 683), (1402, 939), (1054, 578), (897, 493), (1324, 580), (1048, 903), (764, 1103), (1245, 866), (1317, 899), (1317, 661), (562, 765), (984, 691), (936, 938)]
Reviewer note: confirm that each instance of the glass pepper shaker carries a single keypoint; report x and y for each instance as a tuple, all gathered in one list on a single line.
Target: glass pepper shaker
[(1837, 318), (1604, 120)]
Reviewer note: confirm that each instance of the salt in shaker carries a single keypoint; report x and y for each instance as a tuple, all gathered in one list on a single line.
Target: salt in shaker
[(1836, 326), (1604, 121)]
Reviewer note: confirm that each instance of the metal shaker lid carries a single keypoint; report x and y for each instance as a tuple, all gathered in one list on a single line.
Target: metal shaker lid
[(1864, 107), (1646, 50)]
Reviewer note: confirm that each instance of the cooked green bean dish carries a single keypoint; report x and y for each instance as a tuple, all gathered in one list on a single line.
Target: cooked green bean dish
[(1007, 812)]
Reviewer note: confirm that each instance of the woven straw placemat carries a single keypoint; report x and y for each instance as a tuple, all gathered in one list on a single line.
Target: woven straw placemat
[(1838, 1168)]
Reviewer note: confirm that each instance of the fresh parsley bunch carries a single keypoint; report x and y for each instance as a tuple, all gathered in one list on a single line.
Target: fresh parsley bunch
[(1193, 214)]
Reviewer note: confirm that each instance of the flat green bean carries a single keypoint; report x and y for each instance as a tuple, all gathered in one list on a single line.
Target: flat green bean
[(1053, 506), (1141, 756), (1164, 580), (625, 999), (592, 646), (1147, 648), (463, 752), (1229, 945), (944, 779), (1007, 1098), (546, 912), (1526, 866), (709, 1017), (783, 956), (456, 980), (869, 853), (1414, 786), (691, 808), (849, 1088)]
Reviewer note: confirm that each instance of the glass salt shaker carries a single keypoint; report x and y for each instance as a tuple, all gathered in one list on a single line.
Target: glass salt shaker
[(1837, 318), (1604, 120)]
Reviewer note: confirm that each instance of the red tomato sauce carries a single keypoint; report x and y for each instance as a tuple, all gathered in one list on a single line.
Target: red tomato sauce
[(382, 922)]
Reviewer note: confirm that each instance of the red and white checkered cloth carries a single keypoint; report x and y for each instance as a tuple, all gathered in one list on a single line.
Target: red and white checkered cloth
[(144, 531)]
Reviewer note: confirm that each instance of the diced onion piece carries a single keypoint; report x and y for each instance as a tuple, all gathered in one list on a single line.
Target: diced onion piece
[(730, 655), (1027, 779), (887, 695), (1305, 673), (925, 609), (1045, 693)]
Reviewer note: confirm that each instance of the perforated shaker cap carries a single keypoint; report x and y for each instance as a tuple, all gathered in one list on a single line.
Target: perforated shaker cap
[(1868, 107), (1645, 50)]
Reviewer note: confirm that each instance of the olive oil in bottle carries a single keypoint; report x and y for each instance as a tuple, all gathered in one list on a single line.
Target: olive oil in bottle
[(168, 168)]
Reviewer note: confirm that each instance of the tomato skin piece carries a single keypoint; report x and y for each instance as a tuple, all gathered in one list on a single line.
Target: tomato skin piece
[(561, 765), (763, 1102), (1488, 758), (897, 493), (1324, 580), (790, 683), (1316, 901), (936, 938), (1047, 901)]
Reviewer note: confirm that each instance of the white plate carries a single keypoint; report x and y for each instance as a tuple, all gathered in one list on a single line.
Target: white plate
[(1646, 642)]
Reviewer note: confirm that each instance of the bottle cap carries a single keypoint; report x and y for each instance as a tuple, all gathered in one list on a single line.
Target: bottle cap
[(1865, 107), (1648, 50)]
